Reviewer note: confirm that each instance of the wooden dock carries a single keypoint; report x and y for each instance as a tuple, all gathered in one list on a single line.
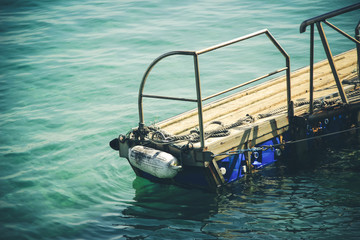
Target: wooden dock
[(263, 99)]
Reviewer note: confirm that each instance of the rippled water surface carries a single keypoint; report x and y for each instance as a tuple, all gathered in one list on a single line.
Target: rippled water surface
[(69, 77)]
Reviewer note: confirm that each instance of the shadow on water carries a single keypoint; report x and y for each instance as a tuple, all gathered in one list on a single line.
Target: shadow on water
[(337, 153), (161, 201)]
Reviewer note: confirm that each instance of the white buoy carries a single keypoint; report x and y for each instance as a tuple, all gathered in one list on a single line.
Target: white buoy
[(155, 162)]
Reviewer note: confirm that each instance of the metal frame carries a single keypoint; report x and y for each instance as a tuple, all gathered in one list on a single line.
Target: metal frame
[(199, 98), (318, 21), (357, 36)]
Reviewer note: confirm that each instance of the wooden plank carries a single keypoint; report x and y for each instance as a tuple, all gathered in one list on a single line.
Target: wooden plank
[(254, 133)]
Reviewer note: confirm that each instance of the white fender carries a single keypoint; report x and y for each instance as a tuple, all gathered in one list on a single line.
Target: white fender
[(155, 162)]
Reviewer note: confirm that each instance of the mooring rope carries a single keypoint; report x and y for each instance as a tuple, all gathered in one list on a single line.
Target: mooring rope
[(266, 147), (161, 136)]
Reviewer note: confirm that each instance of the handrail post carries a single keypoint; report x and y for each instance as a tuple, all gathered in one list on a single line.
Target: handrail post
[(288, 87), (146, 74), (357, 37), (199, 100), (311, 107), (288, 73), (331, 61)]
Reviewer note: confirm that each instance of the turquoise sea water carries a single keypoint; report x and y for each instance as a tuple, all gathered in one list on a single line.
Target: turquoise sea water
[(69, 77)]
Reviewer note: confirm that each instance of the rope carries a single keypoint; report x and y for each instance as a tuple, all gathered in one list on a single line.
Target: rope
[(161, 136), (321, 136), (318, 104), (266, 147)]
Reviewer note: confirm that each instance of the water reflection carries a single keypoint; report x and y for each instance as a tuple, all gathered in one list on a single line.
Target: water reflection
[(162, 201)]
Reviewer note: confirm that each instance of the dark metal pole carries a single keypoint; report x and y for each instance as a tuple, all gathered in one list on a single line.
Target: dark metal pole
[(311, 110), (288, 89), (199, 100), (331, 62), (146, 74), (357, 37), (341, 32), (288, 74)]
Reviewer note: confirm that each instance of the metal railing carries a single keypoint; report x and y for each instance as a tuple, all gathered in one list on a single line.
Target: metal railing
[(357, 36), (318, 20), (199, 98)]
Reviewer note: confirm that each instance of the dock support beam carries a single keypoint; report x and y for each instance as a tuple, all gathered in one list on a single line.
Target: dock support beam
[(357, 37), (249, 166), (199, 100)]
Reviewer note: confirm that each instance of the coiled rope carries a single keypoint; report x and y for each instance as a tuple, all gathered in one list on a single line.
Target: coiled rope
[(160, 136)]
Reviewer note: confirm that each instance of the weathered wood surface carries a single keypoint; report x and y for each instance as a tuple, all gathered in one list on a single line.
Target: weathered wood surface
[(262, 99)]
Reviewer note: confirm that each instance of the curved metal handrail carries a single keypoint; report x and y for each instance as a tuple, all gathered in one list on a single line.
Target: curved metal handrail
[(199, 99), (357, 37), (146, 74), (328, 15)]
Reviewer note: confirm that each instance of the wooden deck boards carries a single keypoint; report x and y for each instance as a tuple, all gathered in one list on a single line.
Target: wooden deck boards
[(262, 99)]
